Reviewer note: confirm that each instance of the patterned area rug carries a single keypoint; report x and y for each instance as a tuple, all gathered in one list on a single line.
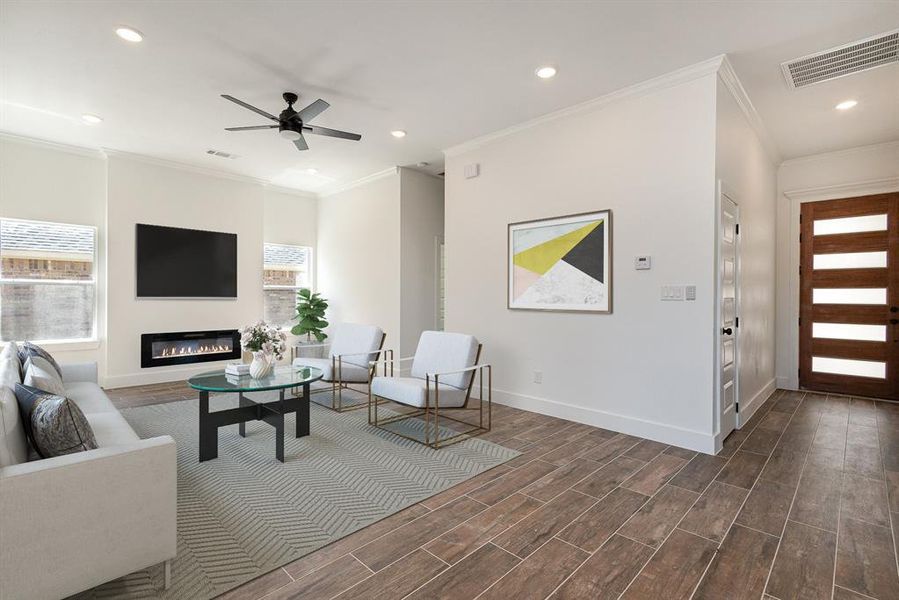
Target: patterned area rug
[(244, 513)]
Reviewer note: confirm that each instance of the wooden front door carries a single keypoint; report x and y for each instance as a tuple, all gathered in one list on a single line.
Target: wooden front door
[(849, 296)]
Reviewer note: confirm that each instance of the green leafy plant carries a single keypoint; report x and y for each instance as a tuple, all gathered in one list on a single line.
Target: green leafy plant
[(311, 315)]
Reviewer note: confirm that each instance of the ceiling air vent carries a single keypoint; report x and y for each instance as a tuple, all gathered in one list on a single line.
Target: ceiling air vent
[(845, 60), (221, 154)]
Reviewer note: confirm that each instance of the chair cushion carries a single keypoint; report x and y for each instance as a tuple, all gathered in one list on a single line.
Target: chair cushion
[(439, 351), (55, 424), (13, 441), (352, 338), (349, 372), (412, 391), (89, 397), (111, 429), (40, 373)]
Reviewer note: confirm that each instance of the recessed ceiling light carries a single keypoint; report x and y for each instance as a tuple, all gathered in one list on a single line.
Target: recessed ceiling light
[(312, 171), (546, 72), (129, 34), (846, 104), (91, 119), (398, 133)]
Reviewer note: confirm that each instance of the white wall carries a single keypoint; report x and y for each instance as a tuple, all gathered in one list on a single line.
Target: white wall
[(142, 192), (749, 174), (649, 156), (359, 255), (421, 218), (290, 218), (50, 182), (848, 173)]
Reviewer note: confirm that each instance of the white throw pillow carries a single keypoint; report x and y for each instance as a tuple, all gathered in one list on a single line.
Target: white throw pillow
[(41, 374)]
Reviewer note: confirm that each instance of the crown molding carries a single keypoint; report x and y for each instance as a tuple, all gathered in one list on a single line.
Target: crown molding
[(190, 168), (360, 181), (728, 76), (845, 190), (47, 144), (881, 147), (291, 191), (683, 75)]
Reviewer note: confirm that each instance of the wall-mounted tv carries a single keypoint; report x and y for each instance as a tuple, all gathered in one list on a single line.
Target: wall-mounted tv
[(185, 263)]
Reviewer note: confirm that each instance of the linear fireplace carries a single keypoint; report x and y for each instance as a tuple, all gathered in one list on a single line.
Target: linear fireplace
[(182, 347)]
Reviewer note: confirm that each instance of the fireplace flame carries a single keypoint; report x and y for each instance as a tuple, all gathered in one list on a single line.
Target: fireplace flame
[(193, 350)]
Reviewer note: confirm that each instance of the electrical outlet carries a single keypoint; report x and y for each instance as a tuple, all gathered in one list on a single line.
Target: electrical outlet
[(538, 376)]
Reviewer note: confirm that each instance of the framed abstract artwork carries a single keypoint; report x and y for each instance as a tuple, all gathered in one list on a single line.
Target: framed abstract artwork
[(562, 264)]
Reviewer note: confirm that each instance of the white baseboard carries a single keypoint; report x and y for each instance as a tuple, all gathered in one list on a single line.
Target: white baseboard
[(748, 409), (660, 432), (159, 375)]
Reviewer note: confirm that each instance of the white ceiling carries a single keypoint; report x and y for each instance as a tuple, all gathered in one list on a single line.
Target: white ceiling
[(444, 71)]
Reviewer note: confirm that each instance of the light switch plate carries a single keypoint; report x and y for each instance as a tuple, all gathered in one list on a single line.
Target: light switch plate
[(472, 170), (690, 292), (672, 293)]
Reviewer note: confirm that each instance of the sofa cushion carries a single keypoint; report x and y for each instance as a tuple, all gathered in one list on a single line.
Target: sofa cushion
[(13, 442), (29, 349), (111, 429), (440, 352), (412, 391), (353, 339), (55, 425), (41, 374), (349, 372), (89, 397)]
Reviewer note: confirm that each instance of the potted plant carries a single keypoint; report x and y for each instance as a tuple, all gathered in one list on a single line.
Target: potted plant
[(311, 316), (265, 342)]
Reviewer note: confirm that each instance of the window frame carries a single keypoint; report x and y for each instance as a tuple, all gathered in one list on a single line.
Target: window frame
[(73, 342), (310, 269)]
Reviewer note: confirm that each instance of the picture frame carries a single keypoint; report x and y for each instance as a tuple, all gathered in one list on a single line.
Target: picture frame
[(561, 264)]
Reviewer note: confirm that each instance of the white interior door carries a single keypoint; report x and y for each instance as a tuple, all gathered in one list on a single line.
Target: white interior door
[(728, 305)]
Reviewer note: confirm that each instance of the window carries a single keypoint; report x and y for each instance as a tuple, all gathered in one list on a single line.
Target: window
[(286, 269), (48, 284)]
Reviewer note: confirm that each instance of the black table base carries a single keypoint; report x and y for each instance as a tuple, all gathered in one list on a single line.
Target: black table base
[(250, 410)]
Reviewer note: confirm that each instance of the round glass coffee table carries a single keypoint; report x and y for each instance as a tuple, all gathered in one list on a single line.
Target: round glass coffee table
[(272, 412)]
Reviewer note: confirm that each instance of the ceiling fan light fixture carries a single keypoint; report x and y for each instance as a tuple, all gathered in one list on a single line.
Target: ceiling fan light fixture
[(129, 34), (398, 133), (290, 134), (91, 119)]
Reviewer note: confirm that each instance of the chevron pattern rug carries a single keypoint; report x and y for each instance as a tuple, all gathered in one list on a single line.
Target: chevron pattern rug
[(245, 514)]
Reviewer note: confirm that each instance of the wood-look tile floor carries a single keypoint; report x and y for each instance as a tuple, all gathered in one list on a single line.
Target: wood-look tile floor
[(803, 502)]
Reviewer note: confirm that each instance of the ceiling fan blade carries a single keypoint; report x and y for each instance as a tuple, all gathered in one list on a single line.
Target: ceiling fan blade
[(313, 110), (251, 107), (301, 143), (332, 132), (251, 127)]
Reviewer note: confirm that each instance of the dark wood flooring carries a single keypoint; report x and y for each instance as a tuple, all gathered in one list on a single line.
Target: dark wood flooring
[(803, 502)]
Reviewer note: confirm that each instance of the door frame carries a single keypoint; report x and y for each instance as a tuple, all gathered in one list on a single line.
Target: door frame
[(796, 198), (724, 190)]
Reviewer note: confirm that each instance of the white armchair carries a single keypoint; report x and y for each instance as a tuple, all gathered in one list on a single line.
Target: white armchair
[(353, 347), (441, 379)]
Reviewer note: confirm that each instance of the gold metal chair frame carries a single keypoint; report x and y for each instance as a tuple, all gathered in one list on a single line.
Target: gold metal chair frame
[(438, 442), (337, 383)]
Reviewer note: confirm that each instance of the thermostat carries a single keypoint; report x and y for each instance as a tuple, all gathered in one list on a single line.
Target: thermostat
[(643, 263)]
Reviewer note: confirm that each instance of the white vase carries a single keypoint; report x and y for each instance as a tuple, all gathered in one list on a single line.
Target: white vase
[(261, 365)]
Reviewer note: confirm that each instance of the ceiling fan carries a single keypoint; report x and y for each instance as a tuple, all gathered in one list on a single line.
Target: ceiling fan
[(292, 124)]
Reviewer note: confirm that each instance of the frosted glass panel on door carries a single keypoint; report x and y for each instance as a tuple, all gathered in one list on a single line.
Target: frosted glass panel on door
[(851, 260), (845, 366), (846, 331), (849, 296), (851, 224)]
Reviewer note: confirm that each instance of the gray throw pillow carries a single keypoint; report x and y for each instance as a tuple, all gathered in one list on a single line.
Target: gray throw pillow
[(39, 373), (29, 349), (54, 424)]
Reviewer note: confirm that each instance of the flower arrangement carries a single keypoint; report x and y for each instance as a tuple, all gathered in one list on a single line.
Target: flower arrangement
[(264, 341)]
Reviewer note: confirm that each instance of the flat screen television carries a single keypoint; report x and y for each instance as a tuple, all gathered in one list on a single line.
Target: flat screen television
[(185, 263)]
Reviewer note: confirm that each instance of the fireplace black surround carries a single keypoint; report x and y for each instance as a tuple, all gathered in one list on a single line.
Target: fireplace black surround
[(183, 347)]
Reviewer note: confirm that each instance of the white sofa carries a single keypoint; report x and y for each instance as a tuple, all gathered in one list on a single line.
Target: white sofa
[(72, 522)]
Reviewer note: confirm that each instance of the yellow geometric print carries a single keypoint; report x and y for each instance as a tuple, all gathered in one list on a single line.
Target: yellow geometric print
[(541, 258)]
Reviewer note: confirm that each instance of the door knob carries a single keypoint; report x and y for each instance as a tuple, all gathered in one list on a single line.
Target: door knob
[(727, 331)]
